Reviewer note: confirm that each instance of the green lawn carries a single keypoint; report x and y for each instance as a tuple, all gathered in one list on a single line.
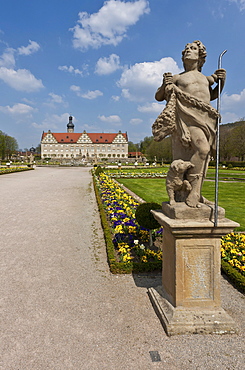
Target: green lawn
[(231, 195), (225, 174)]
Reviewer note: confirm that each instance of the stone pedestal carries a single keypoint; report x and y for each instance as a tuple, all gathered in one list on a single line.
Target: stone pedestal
[(189, 299)]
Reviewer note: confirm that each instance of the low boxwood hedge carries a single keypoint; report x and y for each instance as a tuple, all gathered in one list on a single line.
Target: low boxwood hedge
[(234, 276)]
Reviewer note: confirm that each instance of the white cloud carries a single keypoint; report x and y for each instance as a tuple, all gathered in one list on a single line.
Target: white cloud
[(135, 121), (88, 95), (151, 108), (91, 94), (7, 59), (62, 118), (45, 125), (71, 69), (52, 122), (229, 117), (140, 81), (110, 119), (75, 88), (29, 49), (234, 99), (106, 66), (20, 79), (240, 4), (109, 25), (232, 107), (115, 97), (18, 109), (91, 128), (56, 98), (126, 94), (28, 101)]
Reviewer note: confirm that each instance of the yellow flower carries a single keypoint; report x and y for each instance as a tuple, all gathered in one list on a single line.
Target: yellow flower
[(118, 229), (144, 259)]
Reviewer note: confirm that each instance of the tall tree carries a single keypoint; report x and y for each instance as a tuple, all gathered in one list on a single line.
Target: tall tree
[(133, 147), (161, 151), (145, 143), (8, 145), (238, 141), (11, 146), (225, 144), (2, 145)]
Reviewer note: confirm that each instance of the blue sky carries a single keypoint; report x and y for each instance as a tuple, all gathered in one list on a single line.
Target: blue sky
[(102, 61)]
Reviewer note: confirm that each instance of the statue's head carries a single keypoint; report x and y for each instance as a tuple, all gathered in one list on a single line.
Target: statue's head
[(202, 53)]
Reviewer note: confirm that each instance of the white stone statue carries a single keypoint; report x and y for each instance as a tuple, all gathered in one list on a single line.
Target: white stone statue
[(190, 119)]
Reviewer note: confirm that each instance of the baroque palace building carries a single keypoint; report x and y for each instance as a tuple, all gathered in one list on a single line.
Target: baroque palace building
[(71, 145)]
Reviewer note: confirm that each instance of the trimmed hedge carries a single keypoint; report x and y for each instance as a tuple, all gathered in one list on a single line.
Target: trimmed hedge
[(234, 276), (229, 164)]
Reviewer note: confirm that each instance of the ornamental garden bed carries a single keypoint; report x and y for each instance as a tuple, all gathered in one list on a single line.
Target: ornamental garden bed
[(233, 259), (128, 243), (5, 170)]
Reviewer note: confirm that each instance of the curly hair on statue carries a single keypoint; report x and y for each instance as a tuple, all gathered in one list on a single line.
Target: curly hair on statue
[(202, 53)]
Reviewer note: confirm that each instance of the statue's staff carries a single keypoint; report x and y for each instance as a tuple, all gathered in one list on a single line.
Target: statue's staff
[(217, 146)]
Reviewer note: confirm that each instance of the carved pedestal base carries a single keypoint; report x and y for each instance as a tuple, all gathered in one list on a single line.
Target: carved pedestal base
[(181, 320), (189, 299)]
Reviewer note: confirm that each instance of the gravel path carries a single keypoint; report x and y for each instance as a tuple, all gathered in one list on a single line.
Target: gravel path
[(61, 308)]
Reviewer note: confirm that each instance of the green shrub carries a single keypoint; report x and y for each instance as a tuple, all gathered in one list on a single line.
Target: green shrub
[(145, 218), (98, 170), (234, 276)]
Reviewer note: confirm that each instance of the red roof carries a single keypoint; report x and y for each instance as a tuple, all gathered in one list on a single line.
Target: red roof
[(104, 137), (69, 137), (66, 137)]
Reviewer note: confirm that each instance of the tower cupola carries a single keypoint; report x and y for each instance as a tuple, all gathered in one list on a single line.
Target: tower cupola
[(70, 125)]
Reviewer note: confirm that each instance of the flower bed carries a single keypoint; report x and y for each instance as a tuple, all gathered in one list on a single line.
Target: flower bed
[(233, 251), (136, 175), (127, 242), (4, 170), (233, 258)]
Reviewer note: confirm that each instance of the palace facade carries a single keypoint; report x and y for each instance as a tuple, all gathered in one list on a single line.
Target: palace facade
[(71, 145)]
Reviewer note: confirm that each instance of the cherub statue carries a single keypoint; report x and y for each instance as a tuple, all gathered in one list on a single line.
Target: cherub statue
[(189, 116)]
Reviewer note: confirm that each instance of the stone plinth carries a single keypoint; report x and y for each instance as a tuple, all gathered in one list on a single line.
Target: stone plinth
[(189, 299)]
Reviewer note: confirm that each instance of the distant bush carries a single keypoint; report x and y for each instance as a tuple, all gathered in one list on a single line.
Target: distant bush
[(229, 164)]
